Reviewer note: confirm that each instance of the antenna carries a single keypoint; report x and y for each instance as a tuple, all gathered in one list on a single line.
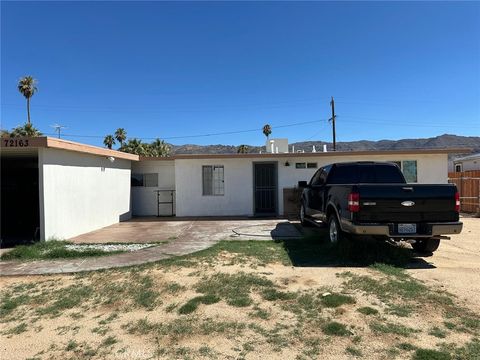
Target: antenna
[(58, 128)]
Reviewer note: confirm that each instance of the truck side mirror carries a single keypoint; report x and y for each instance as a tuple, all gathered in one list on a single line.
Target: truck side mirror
[(302, 184)]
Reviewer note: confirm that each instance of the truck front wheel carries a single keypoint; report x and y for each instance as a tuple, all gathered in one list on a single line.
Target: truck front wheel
[(426, 245)]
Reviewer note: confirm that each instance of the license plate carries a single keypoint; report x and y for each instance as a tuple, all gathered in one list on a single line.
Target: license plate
[(407, 228)]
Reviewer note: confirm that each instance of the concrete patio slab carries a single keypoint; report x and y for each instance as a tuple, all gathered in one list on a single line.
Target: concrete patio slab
[(182, 236)]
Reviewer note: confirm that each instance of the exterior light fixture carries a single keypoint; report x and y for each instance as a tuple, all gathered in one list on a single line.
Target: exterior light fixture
[(287, 163), (111, 159)]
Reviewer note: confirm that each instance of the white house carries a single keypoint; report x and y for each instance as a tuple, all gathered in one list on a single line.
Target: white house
[(53, 188), (466, 163)]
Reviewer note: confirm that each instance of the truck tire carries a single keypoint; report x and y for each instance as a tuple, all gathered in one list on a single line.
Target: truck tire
[(426, 245), (303, 220), (335, 233)]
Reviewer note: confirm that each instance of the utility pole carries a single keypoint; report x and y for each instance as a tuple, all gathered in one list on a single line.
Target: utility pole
[(332, 103)]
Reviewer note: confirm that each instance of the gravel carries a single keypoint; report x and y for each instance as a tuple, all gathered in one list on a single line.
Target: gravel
[(109, 247)]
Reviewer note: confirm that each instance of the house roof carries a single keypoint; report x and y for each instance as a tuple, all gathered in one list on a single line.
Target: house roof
[(54, 143), (313, 155), (468, 157)]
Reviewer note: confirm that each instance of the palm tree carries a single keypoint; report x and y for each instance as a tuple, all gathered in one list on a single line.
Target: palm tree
[(158, 148), (27, 87), (26, 130), (109, 141), (121, 136), (135, 146), (267, 130), (242, 149)]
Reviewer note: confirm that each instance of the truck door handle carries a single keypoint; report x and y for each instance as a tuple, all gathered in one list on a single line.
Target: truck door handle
[(408, 188)]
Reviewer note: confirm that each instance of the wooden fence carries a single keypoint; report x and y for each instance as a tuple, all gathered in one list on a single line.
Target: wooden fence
[(468, 185)]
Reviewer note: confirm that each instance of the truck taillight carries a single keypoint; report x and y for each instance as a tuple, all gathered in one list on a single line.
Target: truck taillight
[(457, 201), (353, 202)]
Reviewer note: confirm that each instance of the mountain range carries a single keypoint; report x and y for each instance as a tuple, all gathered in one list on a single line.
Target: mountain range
[(438, 142)]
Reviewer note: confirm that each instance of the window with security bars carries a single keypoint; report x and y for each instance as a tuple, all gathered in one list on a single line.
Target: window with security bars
[(213, 180)]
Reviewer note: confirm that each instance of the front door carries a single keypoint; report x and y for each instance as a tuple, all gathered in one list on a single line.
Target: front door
[(265, 178)]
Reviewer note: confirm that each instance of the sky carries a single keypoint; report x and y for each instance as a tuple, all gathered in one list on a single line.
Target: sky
[(176, 70)]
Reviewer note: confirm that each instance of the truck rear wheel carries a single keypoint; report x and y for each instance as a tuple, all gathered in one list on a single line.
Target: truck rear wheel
[(426, 245)]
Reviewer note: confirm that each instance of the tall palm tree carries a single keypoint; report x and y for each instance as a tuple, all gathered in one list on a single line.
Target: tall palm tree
[(242, 149), (27, 87), (267, 130), (120, 136), (109, 141)]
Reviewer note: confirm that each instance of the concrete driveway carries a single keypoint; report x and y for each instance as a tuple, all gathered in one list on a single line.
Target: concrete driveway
[(182, 236), (153, 229)]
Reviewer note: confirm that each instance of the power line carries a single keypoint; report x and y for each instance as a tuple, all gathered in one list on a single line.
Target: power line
[(203, 135)]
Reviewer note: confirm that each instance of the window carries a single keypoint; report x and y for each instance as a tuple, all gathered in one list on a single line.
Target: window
[(213, 180), (311, 165), (458, 167), (137, 180), (409, 169), (144, 180), (300, 165), (365, 174), (150, 180)]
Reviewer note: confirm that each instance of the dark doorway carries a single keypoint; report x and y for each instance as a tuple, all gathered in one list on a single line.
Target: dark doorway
[(20, 217), (265, 188)]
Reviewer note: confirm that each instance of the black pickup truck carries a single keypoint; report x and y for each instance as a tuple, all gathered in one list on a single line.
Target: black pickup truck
[(373, 198)]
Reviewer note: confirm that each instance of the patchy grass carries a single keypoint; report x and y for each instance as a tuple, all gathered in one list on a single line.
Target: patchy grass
[(192, 304), (336, 329), (427, 354), (367, 310), (391, 328), (234, 289), (353, 351), (336, 300), (279, 311), (22, 327), (437, 332), (51, 249)]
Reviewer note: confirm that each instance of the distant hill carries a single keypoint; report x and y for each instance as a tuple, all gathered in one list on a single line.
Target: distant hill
[(438, 142)]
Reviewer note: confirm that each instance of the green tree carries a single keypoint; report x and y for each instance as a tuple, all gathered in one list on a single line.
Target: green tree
[(120, 136), (26, 130), (135, 146), (267, 130), (109, 141), (27, 87), (242, 149), (158, 148)]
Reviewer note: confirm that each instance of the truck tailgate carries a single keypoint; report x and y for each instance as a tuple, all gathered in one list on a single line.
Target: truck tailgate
[(409, 203)]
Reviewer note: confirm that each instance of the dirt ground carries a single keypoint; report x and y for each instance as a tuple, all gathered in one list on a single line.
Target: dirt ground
[(243, 300), (456, 264)]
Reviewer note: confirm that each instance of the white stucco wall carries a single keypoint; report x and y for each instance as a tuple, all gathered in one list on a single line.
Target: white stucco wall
[(81, 192), (144, 199), (238, 198), (473, 164)]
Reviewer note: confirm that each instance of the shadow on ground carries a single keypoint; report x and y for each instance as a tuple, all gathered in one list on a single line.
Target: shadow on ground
[(314, 250)]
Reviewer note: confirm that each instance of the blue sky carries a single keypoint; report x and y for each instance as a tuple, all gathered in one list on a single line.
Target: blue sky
[(396, 70)]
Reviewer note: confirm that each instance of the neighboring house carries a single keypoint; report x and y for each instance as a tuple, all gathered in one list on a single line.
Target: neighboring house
[(466, 163), (53, 188)]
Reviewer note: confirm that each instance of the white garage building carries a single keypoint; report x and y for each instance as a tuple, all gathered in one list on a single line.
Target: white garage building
[(53, 188)]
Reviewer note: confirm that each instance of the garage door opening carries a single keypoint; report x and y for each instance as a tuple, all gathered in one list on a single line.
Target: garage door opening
[(20, 216)]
